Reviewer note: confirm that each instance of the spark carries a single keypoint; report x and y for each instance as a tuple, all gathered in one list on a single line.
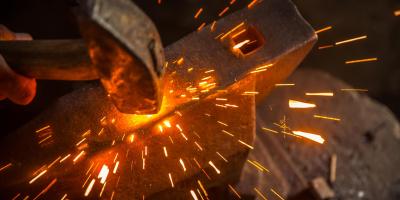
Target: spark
[(250, 93), (215, 168), (397, 13), (231, 105), (145, 150), (245, 144), (144, 163), (238, 33), (182, 164), (284, 84), (223, 158), (198, 146), (43, 140), (46, 189), (323, 29), (221, 99), (102, 189), (202, 188), (132, 138), (223, 11), (170, 179), (222, 123), (180, 61), (361, 60), (103, 174), (112, 195), (165, 152), (159, 1), (279, 196), (42, 129), (198, 165), (240, 44), (89, 188), (179, 127), (167, 124), (209, 71), (116, 167), (354, 90), (230, 134), (5, 166), (299, 104), (326, 117), (270, 130), (16, 196), (251, 4), (234, 191), (232, 30), (260, 194), (184, 136), (256, 166), (261, 69), (78, 156), (38, 176), (115, 157), (232, 2), (326, 94), (63, 197), (201, 26), (351, 40), (325, 47), (66, 157), (198, 13), (311, 136), (213, 26), (260, 165), (80, 142), (52, 163), (193, 195)]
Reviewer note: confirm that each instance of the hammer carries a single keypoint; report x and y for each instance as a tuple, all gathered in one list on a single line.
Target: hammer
[(121, 47)]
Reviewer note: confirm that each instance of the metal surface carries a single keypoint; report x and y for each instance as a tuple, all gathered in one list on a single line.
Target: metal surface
[(127, 53), (227, 73)]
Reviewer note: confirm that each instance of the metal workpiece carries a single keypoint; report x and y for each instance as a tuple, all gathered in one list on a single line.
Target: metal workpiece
[(200, 137), (208, 61)]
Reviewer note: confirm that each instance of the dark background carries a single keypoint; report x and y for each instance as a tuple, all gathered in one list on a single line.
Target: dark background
[(53, 19)]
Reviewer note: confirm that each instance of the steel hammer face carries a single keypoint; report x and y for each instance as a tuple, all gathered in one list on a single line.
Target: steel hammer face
[(126, 51)]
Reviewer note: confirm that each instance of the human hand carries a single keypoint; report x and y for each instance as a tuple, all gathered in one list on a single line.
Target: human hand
[(19, 89)]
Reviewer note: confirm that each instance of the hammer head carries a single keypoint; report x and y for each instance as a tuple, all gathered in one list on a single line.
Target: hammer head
[(126, 51)]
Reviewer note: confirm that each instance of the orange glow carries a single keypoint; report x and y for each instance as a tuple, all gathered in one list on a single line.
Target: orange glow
[(310, 136)]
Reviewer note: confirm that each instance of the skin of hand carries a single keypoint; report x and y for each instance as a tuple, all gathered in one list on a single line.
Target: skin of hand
[(19, 89)]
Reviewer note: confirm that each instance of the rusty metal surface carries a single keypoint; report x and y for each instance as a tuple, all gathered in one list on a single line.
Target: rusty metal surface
[(126, 51), (288, 38)]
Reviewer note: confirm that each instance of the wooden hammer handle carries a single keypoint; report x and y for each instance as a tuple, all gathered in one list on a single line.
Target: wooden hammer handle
[(49, 59)]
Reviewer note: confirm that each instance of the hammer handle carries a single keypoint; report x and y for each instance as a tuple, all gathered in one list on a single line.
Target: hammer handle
[(49, 59)]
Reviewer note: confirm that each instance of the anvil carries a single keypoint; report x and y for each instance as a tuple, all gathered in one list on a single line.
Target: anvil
[(199, 140)]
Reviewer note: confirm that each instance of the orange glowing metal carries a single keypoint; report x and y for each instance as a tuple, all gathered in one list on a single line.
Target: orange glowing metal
[(299, 104), (310, 136), (397, 13)]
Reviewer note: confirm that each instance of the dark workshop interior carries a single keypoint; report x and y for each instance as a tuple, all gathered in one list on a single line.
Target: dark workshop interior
[(358, 159)]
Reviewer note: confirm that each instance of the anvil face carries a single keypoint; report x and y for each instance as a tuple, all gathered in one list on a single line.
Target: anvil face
[(203, 132)]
